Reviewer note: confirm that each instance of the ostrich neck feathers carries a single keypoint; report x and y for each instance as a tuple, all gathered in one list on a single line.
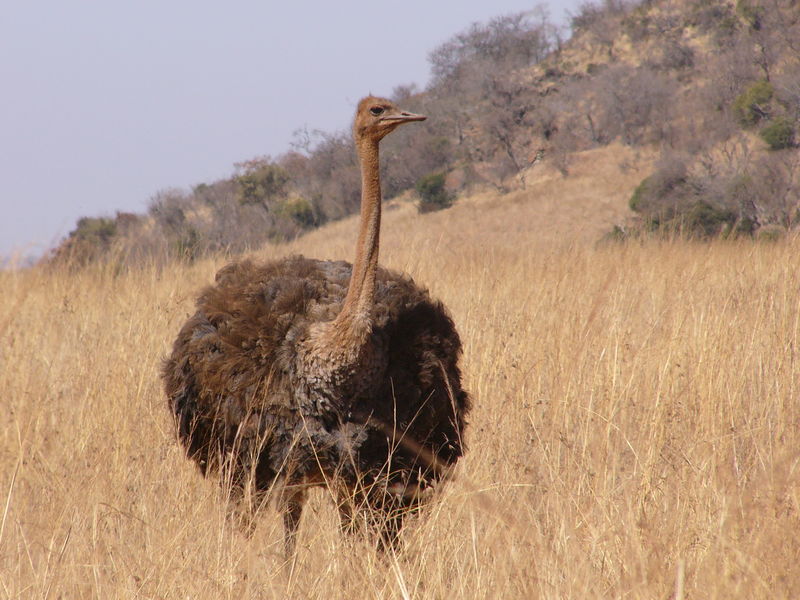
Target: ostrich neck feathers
[(334, 348)]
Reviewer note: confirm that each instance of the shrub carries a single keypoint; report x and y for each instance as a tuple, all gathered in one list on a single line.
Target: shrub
[(168, 208), (704, 220), (751, 105), (299, 210), (97, 230), (657, 192), (639, 195), (779, 133), (432, 193), (262, 183), (91, 239)]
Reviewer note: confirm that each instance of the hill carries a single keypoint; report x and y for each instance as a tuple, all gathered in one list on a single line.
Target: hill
[(707, 92)]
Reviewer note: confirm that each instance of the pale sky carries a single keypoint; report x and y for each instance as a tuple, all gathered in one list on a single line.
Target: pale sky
[(104, 103)]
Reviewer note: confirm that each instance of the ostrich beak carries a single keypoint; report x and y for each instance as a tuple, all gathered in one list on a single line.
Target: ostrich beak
[(405, 117)]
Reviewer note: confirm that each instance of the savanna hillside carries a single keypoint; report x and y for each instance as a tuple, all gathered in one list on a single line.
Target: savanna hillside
[(705, 93), (635, 423), (634, 433)]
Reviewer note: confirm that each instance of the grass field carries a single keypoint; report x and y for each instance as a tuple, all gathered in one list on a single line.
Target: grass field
[(635, 431)]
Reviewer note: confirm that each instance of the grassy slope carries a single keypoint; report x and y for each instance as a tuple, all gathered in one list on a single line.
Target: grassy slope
[(635, 421)]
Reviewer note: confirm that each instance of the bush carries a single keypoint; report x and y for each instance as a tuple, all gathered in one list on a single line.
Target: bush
[(672, 200), (432, 193), (262, 183), (639, 195), (299, 210), (704, 220), (779, 134), (91, 239), (97, 230), (751, 105), (657, 193)]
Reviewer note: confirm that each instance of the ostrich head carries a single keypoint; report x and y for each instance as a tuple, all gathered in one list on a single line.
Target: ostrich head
[(378, 117)]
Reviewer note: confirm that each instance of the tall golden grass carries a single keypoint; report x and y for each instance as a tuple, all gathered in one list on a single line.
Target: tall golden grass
[(635, 431)]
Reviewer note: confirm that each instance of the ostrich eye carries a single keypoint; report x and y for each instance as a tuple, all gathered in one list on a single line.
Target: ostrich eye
[(376, 110)]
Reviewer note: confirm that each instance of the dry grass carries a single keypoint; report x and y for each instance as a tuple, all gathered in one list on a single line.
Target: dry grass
[(635, 430)]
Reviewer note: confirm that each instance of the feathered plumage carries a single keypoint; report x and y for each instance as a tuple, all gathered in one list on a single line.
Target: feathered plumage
[(278, 384)]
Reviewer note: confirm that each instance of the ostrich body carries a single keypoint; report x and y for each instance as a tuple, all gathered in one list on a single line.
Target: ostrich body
[(303, 372)]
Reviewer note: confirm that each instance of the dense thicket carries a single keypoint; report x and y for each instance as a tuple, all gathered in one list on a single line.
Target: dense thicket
[(713, 85)]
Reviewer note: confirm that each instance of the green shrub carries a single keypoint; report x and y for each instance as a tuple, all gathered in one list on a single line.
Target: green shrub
[(97, 230), (432, 193), (654, 196), (262, 184), (639, 195), (90, 240), (704, 220), (751, 105), (299, 210), (779, 134)]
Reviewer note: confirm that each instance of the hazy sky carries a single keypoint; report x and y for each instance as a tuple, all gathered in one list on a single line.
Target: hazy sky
[(104, 103)]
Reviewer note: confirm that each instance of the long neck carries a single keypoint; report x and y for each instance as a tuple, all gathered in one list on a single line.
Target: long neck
[(354, 321)]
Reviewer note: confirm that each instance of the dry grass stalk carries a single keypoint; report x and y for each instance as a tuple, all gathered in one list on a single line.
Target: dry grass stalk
[(634, 433)]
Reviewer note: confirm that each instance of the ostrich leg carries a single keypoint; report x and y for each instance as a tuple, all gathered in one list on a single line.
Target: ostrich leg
[(292, 508)]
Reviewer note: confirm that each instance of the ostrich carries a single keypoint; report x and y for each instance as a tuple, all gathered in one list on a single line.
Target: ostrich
[(301, 372)]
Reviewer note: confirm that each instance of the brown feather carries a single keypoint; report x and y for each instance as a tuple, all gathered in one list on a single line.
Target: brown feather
[(301, 372)]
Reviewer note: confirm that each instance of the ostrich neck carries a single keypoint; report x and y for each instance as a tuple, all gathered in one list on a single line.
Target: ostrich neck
[(357, 309), (342, 341)]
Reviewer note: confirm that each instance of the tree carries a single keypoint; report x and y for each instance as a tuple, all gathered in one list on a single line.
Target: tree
[(634, 103), (433, 194), (261, 182), (779, 133), (481, 84)]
